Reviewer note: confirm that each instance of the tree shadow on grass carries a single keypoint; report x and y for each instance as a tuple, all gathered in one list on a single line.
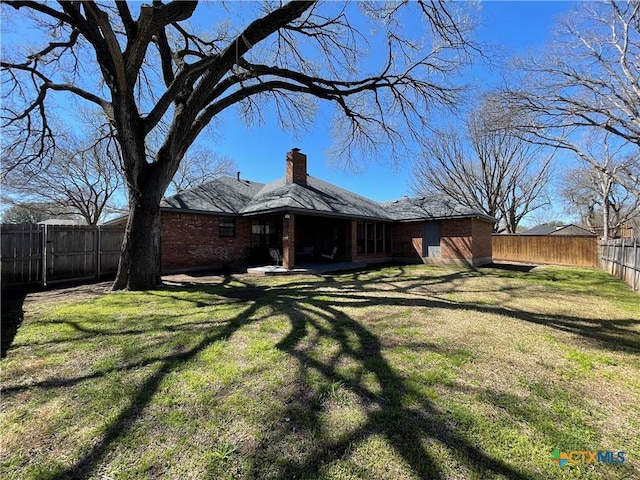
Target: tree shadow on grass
[(396, 412), (124, 422), (393, 413), (615, 335), (12, 316), (405, 425)]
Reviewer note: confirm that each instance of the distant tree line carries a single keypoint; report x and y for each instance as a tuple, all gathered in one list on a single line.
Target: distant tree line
[(84, 181), (579, 95)]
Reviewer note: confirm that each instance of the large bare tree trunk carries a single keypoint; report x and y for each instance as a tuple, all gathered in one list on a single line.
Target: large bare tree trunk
[(139, 267)]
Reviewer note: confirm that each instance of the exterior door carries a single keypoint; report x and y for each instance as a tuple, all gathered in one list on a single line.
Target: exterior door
[(431, 239)]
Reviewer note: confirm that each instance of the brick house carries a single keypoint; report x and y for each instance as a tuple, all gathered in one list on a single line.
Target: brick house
[(234, 221)]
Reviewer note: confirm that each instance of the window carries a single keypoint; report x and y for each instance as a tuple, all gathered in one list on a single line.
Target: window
[(387, 238), (373, 237), (370, 234), (360, 237), (380, 237), (227, 227), (263, 234)]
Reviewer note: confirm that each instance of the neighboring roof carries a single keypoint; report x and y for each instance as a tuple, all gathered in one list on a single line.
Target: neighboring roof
[(230, 196), (547, 229), (431, 207), (61, 221), (223, 195), (317, 197)]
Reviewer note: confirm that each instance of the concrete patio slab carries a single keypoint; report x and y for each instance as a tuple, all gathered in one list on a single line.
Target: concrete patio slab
[(307, 269)]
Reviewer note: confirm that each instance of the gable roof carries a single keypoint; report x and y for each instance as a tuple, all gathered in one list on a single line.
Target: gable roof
[(548, 229), (430, 207), (232, 196)]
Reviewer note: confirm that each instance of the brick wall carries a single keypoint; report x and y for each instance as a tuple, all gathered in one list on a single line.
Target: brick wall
[(192, 241), (407, 240), (462, 241), (456, 238), (482, 249), (289, 241)]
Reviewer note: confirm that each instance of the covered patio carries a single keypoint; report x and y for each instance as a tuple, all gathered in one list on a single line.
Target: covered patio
[(300, 239)]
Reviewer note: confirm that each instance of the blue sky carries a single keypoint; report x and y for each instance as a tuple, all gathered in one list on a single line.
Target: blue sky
[(259, 152)]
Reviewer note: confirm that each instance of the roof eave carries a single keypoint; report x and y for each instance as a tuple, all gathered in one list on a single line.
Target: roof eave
[(446, 217), (200, 212), (317, 213)]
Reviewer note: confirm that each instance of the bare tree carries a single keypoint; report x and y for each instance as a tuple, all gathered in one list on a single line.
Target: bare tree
[(199, 166), (592, 189), (155, 70), (585, 81), (85, 181), (80, 180), (486, 167), (26, 213)]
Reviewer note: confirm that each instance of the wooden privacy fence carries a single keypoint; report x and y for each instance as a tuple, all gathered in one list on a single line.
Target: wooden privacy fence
[(621, 257), (549, 249), (45, 254)]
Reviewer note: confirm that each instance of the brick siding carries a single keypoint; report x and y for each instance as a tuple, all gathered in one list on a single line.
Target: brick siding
[(463, 240), (289, 241), (482, 247), (191, 240), (406, 239), (456, 239)]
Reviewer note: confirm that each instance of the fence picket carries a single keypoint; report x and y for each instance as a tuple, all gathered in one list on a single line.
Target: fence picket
[(635, 263), (44, 254), (556, 250), (620, 259)]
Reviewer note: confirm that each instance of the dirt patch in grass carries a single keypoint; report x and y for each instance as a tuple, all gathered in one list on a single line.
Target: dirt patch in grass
[(70, 294)]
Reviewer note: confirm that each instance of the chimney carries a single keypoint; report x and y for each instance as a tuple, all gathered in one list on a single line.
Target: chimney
[(238, 176), (296, 167)]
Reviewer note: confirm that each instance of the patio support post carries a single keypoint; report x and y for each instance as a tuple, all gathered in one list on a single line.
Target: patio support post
[(289, 241)]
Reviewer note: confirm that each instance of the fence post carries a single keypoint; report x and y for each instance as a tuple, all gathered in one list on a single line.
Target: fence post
[(98, 251), (623, 260), (44, 254), (635, 264)]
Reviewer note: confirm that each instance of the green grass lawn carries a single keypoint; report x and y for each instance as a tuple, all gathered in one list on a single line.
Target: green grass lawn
[(404, 372)]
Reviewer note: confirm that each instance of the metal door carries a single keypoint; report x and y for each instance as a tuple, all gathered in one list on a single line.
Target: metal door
[(431, 239)]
